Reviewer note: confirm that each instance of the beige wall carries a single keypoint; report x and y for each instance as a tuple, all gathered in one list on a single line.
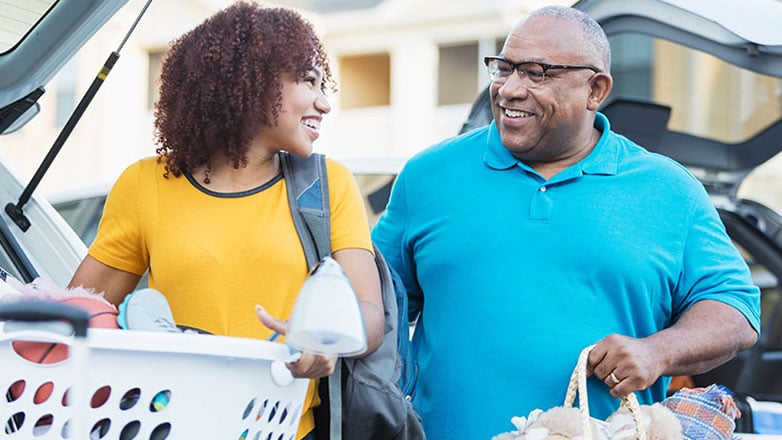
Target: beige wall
[(386, 62), (404, 116)]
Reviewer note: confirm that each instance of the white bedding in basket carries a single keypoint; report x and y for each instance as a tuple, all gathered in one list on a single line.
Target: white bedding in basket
[(5, 289)]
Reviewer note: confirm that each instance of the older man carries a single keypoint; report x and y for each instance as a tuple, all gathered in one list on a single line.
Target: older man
[(525, 241)]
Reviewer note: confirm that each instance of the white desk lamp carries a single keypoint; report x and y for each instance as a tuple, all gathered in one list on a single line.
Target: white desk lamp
[(326, 317)]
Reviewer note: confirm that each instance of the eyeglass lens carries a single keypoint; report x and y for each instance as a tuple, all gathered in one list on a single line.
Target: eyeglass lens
[(533, 74)]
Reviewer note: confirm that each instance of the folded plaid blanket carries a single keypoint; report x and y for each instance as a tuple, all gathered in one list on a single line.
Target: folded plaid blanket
[(705, 413)]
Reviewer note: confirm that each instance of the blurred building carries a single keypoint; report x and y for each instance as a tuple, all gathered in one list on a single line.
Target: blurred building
[(407, 71)]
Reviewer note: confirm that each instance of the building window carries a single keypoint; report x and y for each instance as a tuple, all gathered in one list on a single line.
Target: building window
[(155, 58), (457, 74), (365, 80)]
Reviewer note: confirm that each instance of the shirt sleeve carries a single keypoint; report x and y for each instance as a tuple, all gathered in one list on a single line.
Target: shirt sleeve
[(713, 268), (389, 234), (119, 242)]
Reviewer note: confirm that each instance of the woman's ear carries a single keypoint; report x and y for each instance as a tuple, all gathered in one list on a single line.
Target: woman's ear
[(601, 86)]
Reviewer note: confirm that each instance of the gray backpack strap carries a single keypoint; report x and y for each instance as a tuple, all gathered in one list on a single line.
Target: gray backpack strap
[(308, 196)]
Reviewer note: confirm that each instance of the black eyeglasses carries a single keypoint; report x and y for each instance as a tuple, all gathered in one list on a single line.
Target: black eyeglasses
[(533, 74)]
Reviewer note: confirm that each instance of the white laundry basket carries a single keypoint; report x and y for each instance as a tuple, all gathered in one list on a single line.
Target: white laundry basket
[(151, 386)]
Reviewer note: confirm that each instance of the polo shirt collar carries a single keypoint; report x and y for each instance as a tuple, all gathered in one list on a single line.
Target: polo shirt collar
[(602, 159), (497, 156)]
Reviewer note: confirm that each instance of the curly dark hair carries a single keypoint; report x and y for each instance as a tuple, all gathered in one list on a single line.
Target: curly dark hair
[(221, 82)]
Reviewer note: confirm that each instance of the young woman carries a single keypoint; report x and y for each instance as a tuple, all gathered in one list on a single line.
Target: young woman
[(209, 216)]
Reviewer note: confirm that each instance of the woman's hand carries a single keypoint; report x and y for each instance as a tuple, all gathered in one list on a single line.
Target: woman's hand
[(309, 365)]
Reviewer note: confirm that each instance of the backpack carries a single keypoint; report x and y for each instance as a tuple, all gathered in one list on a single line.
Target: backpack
[(368, 398)]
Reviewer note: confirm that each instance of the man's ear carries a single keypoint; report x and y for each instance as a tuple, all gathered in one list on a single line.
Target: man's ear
[(601, 86)]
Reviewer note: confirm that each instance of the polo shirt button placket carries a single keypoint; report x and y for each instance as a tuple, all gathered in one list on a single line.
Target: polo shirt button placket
[(541, 204)]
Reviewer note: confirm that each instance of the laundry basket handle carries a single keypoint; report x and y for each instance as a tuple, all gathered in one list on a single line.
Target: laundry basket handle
[(578, 385), (78, 318)]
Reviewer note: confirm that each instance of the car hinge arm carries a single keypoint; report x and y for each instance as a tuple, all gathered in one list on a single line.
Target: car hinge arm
[(15, 211)]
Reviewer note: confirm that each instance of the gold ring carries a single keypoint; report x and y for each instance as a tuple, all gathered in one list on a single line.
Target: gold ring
[(614, 378)]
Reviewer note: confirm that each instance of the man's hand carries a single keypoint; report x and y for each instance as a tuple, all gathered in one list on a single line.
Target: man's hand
[(625, 364), (706, 336)]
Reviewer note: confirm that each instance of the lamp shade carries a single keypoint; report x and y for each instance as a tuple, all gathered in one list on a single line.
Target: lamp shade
[(326, 317)]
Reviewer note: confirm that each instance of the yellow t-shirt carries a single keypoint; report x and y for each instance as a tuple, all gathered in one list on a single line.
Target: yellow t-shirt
[(215, 255)]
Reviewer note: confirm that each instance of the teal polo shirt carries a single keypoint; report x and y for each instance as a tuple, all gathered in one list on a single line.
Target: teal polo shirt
[(514, 274)]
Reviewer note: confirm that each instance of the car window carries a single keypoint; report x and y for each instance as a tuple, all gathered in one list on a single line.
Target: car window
[(83, 215), (720, 101), (764, 184), (375, 189), (770, 300), (8, 265), (19, 17)]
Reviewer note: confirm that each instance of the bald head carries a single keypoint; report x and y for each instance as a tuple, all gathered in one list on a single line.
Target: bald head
[(594, 39)]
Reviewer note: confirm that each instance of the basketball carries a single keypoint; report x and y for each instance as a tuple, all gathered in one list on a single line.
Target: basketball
[(102, 315)]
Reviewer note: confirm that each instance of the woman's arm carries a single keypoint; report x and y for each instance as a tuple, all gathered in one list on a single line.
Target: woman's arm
[(114, 283), (359, 265)]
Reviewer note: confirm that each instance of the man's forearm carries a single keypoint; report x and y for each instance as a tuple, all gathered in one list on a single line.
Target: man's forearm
[(709, 334)]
